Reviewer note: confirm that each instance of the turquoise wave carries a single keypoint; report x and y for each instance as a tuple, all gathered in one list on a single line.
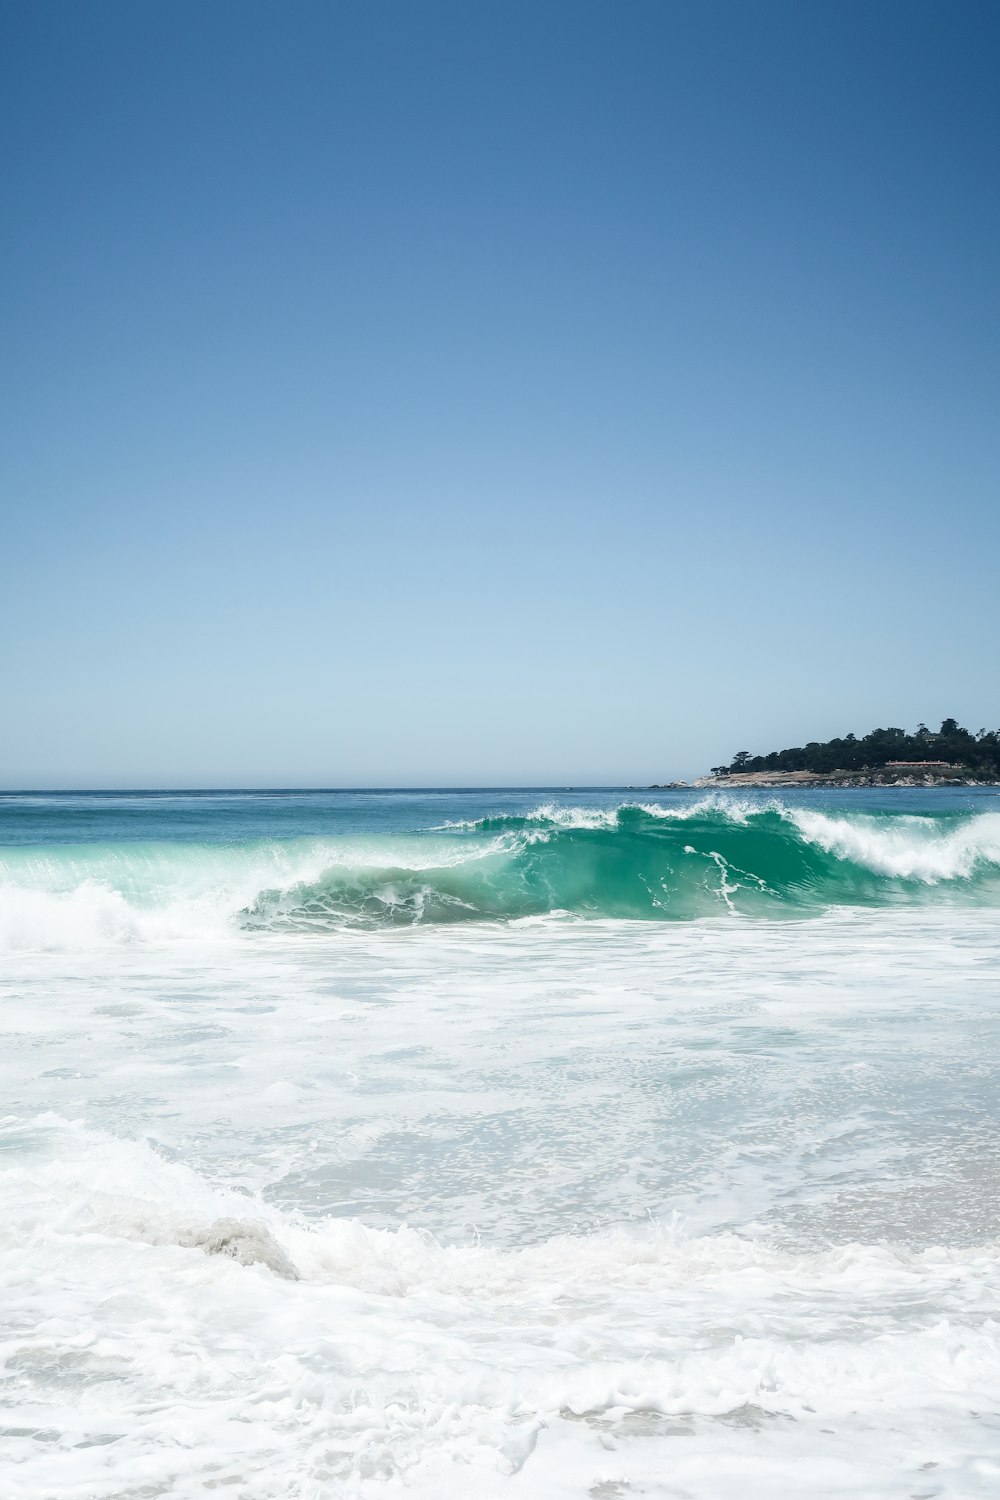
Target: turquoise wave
[(647, 864), (640, 863)]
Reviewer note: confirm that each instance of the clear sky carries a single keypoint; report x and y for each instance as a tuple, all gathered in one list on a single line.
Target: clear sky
[(504, 391)]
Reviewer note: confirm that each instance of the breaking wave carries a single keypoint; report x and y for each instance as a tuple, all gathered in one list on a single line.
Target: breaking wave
[(715, 857)]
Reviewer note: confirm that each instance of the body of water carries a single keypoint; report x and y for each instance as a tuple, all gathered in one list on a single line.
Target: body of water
[(587, 1143)]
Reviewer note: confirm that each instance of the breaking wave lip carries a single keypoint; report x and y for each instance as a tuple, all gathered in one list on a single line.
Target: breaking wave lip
[(716, 857), (551, 816), (910, 848)]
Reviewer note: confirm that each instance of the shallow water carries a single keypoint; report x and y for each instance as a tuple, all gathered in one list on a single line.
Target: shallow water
[(564, 1203)]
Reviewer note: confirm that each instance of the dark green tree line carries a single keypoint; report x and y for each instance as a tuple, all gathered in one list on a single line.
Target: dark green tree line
[(978, 754)]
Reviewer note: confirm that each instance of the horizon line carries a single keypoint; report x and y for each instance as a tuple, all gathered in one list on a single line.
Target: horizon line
[(526, 786)]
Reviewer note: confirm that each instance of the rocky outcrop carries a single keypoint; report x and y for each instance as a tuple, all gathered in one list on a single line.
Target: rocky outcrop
[(953, 776)]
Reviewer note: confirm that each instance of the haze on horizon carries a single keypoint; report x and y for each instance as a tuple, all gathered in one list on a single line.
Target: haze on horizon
[(434, 394)]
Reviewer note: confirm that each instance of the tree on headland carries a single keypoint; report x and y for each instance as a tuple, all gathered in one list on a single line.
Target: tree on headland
[(977, 754)]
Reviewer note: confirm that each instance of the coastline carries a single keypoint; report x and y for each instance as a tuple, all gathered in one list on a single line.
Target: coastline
[(774, 779)]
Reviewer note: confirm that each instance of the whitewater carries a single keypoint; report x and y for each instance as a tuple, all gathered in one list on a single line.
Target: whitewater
[(524, 1144)]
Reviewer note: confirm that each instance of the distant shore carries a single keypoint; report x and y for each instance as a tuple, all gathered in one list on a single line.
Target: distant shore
[(766, 779)]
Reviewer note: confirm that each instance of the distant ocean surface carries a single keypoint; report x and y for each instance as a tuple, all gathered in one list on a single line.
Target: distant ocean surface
[(500, 1143)]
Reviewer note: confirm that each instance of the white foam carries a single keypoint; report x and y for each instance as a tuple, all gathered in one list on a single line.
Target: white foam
[(336, 1358), (320, 1227), (905, 847)]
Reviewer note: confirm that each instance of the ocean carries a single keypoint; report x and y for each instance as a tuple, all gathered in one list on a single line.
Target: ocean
[(539, 1143)]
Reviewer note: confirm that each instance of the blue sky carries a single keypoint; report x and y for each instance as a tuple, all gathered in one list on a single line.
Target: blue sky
[(420, 393)]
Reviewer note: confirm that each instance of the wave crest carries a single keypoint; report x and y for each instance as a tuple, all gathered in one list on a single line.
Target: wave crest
[(637, 862)]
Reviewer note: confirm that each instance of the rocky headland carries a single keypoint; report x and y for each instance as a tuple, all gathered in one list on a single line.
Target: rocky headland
[(916, 776)]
